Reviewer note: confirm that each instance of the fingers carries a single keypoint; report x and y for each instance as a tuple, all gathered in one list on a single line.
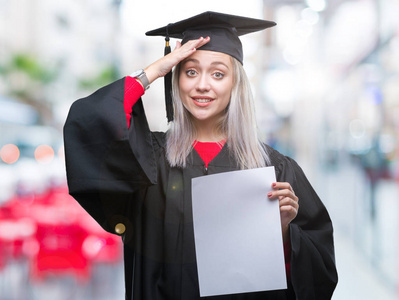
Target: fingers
[(288, 210), (198, 43), (282, 190), (178, 45), (282, 185), (203, 42), (184, 51), (288, 201)]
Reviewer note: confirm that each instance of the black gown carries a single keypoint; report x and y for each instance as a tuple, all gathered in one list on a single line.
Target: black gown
[(121, 175)]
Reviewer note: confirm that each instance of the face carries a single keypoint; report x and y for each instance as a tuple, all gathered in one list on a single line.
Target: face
[(205, 84)]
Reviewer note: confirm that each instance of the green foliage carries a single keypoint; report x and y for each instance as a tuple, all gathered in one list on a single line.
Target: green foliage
[(107, 75), (26, 78), (29, 65)]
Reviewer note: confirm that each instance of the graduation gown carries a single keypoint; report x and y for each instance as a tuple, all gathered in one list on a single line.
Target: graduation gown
[(121, 176)]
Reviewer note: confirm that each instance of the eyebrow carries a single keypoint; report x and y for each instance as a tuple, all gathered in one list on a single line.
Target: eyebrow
[(196, 61)]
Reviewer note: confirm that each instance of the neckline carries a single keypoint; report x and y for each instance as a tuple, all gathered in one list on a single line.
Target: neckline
[(220, 143), (197, 159)]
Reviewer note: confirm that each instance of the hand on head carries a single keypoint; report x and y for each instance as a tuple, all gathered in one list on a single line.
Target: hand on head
[(164, 65)]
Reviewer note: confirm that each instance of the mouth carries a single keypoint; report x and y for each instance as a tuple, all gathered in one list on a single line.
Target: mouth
[(202, 99)]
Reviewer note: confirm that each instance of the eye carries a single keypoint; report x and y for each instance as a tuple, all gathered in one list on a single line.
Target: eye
[(218, 75), (191, 73)]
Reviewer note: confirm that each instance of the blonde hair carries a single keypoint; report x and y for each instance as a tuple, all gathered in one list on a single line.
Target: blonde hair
[(238, 125)]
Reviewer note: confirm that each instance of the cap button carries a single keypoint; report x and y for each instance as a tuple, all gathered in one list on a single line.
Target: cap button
[(120, 228)]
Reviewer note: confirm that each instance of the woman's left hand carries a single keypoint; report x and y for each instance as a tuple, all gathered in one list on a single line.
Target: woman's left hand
[(288, 205)]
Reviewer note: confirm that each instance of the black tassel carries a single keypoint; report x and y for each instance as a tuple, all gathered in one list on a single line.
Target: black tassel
[(168, 84)]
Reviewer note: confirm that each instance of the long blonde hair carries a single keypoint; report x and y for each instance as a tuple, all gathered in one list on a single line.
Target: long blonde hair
[(238, 125)]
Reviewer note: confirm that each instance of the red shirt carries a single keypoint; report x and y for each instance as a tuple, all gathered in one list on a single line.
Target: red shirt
[(208, 151)]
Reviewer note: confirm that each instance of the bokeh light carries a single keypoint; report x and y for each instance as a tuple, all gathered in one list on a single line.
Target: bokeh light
[(9, 153), (44, 154)]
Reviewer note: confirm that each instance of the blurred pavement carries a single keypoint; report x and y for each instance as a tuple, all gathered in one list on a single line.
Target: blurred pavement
[(366, 248)]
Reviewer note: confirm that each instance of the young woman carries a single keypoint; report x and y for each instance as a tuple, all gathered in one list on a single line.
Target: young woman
[(137, 183)]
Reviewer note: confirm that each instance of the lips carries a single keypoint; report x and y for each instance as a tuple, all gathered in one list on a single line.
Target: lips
[(202, 101)]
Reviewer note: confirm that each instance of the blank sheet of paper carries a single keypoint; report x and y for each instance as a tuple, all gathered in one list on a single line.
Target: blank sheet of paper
[(237, 232)]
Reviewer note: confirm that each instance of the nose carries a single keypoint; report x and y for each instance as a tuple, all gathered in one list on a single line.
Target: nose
[(203, 84)]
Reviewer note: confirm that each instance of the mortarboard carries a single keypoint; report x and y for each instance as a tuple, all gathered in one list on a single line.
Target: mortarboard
[(224, 31)]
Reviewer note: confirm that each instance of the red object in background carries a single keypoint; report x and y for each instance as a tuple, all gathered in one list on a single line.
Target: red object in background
[(60, 252), (102, 249), (99, 245), (2, 256), (55, 234), (15, 233)]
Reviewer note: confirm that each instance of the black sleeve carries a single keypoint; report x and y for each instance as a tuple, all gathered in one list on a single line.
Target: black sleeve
[(313, 271), (106, 162)]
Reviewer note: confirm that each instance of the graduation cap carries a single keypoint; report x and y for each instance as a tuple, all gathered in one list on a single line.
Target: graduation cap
[(224, 31)]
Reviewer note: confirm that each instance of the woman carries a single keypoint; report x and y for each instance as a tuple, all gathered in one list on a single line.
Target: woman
[(137, 183)]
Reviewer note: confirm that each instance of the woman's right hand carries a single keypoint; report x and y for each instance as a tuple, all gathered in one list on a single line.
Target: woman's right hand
[(164, 65)]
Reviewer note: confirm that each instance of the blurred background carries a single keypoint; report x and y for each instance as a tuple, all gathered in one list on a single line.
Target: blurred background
[(326, 80)]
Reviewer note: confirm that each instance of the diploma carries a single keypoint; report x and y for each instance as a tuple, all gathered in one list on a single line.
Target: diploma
[(237, 231)]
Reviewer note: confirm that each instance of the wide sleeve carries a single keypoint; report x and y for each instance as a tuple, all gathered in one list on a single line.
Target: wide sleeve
[(313, 271), (106, 163)]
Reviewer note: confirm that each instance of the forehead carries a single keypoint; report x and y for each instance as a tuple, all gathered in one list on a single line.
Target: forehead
[(207, 57)]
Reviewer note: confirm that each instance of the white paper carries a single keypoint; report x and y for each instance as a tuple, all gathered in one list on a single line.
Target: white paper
[(237, 232)]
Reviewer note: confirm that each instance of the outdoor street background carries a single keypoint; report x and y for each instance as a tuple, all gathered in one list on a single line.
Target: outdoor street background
[(326, 83)]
